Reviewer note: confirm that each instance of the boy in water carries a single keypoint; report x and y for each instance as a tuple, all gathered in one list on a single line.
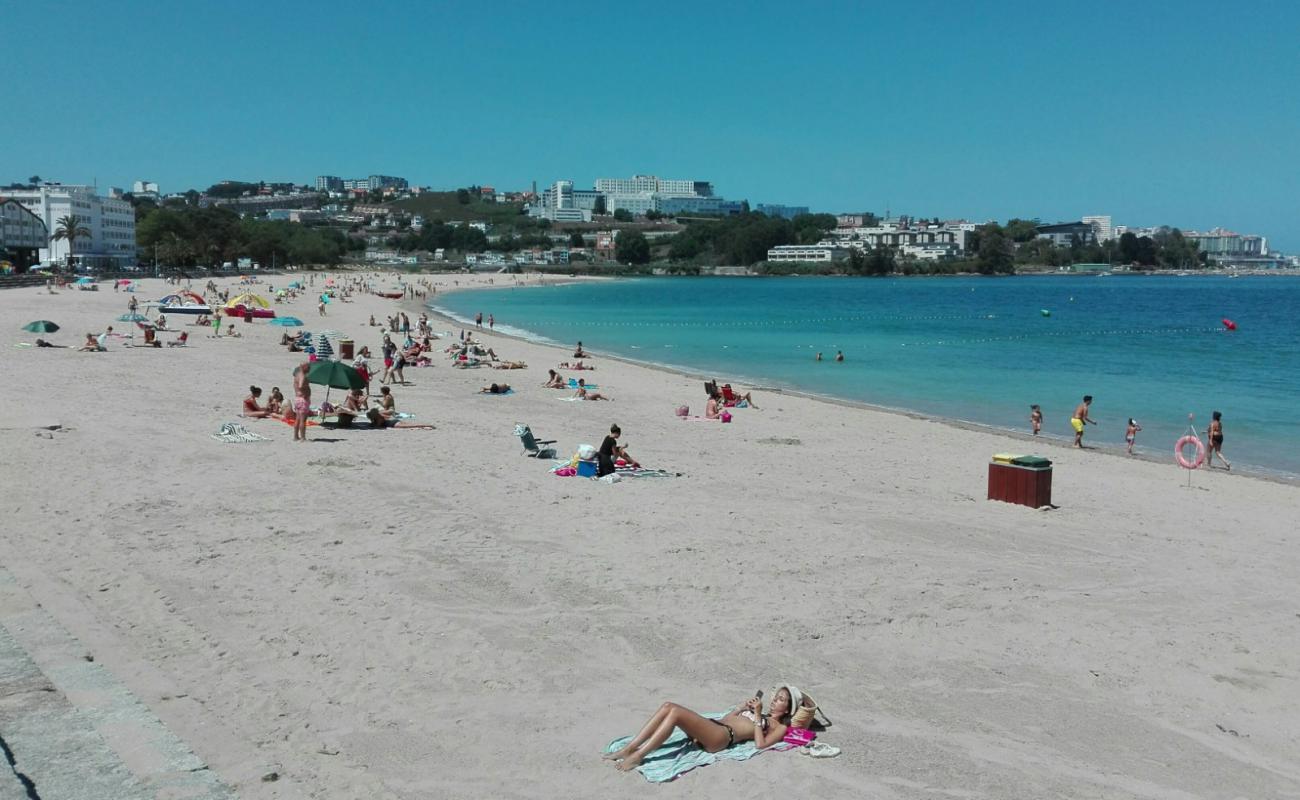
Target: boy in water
[(1036, 418)]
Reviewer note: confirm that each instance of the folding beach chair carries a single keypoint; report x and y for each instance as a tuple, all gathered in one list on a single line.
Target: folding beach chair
[(532, 446)]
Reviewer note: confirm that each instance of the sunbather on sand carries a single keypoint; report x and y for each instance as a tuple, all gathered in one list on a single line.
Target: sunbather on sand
[(586, 394), (743, 724), (251, 408), (91, 345), (510, 365), (713, 409), (386, 415), (556, 381), (275, 404), (732, 398), (495, 388)]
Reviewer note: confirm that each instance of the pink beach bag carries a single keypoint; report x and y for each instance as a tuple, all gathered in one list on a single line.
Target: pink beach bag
[(726, 416)]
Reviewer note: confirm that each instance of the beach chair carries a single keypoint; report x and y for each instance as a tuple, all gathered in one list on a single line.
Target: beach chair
[(532, 446)]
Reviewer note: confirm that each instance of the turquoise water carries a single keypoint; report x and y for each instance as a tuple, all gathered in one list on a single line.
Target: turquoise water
[(971, 349)]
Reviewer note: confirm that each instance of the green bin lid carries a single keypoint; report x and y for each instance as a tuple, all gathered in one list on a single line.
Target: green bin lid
[(1031, 461)]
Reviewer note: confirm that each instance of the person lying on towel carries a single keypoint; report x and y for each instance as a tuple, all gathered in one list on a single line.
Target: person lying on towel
[(746, 723)]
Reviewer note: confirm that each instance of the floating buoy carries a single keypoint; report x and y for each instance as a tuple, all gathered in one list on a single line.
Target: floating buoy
[(1045, 312), (1229, 324)]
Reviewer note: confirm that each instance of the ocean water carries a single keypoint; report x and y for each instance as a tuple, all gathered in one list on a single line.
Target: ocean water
[(979, 350)]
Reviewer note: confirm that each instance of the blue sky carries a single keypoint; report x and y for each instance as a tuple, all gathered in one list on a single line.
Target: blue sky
[(1176, 113)]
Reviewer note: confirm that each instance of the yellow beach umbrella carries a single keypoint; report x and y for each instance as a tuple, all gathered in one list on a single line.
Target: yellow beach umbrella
[(247, 301)]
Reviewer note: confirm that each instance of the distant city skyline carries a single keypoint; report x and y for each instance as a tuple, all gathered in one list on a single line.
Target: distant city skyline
[(996, 111)]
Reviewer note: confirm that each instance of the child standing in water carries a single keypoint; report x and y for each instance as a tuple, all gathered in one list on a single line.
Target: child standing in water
[(1130, 433), (1036, 418)]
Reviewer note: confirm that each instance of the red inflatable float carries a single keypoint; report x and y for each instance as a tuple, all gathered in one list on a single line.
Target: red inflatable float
[(1229, 324)]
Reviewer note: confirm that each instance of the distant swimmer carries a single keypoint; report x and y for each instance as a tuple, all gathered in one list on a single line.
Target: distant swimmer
[(1036, 418), (819, 356), (1215, 434), (839, 356), (1080, 417)]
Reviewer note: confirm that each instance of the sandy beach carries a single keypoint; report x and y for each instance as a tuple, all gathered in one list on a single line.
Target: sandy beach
[(429, 614)]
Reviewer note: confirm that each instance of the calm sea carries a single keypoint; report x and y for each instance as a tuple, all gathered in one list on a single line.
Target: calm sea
[(973, 349)]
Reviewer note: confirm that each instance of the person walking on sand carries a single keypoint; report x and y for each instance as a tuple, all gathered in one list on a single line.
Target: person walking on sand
[(1080, 418), (1215, 434), (1036, 418), (1130, 433), (301, 401)]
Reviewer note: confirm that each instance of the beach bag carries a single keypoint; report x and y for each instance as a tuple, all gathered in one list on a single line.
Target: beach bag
[(586, 452), (726, 416), (683, 411), (807, 715)]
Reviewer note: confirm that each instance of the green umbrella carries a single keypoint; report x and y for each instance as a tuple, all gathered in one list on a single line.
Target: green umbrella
[(41, 326), (335, 374)]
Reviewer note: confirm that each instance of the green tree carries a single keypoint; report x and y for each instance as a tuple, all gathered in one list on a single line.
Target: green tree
[(70, 228), (462, 196), (622, 215), (881, 261), (576, 240), (631, 247), (994, 251), (598, 208), (1021, 230)]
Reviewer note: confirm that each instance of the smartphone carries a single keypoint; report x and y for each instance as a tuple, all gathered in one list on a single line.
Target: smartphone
[(759, 694)]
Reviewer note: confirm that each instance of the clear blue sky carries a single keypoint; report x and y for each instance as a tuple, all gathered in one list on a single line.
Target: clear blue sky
[(1176, 113)]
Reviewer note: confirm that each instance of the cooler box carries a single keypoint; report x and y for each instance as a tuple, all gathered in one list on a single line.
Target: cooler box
[(346, 347), (1022, 484), (586, 469)]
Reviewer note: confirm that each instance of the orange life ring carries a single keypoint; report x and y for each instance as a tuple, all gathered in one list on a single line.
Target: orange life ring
[(1182, 459)]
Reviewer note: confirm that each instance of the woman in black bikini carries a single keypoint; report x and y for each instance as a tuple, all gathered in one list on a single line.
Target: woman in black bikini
[(1215, 432), (743, 724)]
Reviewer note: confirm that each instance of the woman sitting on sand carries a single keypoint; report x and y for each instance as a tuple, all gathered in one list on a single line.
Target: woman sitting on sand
[(556, 381), (585, 394), (742, 724), (275, 405), (713, 409), (251, 408)]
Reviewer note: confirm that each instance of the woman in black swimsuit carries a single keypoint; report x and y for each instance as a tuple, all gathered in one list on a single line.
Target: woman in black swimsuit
[(1215, 432), (743, 724)]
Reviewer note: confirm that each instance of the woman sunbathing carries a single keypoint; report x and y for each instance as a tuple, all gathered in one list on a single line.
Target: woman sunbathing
[(251, 408), (742, 724), (510, 365), (495, 388), (585, 394)]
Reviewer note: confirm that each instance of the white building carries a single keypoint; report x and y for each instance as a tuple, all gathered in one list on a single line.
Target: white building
[(111, 223), (824, 252), (641, 193), (1102, 227)]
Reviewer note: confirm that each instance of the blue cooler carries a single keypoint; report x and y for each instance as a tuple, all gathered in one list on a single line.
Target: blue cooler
[(586, 469)]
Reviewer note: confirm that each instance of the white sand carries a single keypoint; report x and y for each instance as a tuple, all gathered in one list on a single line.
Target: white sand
[(423, 614)]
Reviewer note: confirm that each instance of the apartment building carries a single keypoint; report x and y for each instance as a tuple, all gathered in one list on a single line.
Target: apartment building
[(110, 220)]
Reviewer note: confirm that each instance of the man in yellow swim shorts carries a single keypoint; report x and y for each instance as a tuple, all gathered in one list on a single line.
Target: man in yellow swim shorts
[(1079, 418)]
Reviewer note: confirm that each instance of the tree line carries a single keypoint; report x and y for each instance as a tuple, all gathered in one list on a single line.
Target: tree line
[(180, 235)]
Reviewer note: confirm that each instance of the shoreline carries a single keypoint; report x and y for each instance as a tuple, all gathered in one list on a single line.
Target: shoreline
[(1058, 442)]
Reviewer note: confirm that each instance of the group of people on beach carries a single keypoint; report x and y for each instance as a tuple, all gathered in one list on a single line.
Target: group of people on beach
[(1081, 418)]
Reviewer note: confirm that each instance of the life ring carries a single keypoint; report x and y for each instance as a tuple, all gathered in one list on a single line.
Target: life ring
[(1182, 459)]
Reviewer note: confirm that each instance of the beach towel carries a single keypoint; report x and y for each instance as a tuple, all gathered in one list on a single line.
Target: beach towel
[(642, 472), (234, 433), (679, 755)]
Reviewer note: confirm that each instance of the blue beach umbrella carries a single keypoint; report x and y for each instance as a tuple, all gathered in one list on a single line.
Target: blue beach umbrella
[(85, 280), (287, 322), (133, 317)]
